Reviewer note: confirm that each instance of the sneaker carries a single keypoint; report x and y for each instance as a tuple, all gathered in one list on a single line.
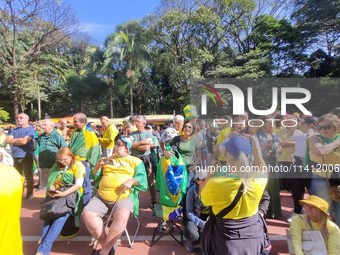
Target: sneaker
[(190, 247), (27, 199)]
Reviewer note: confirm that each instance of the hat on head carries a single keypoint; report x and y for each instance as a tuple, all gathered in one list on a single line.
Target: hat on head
[(317, 202), (201, 174), (148, 126), (127, 141), (238, 144), (336, 111), (190, 112), (309, 120)]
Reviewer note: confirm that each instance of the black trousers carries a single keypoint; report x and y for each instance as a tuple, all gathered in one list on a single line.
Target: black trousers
[(25, 165)]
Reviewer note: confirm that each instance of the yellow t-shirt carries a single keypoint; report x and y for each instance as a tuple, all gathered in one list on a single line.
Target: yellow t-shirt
[(219, 192), (115, 175), (332, 241), (109, 135), (287, 153), (78, 170), (220, 138), (11, 184)]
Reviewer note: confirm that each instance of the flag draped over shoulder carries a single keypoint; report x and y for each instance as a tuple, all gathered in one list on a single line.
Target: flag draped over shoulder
[(171, 180), (85, 145)]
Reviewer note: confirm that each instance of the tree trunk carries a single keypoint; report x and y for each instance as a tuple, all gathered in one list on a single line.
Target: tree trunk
[(111, 82), (131, 96), (35, 77)]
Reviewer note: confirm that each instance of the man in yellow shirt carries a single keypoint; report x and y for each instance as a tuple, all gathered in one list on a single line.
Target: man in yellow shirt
[(109, 133)]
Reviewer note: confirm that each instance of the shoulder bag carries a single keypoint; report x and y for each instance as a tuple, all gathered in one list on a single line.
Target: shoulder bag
[(312, 242)]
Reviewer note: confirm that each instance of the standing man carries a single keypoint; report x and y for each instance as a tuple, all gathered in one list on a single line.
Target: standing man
[(64, 131), (22, 150), (49, 143), (109, 133), (171, 132), (85, 145), (142, 141)]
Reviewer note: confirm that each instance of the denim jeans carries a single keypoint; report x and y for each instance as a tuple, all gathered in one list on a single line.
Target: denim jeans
[(50, 232), (204, 155), (319, 187)]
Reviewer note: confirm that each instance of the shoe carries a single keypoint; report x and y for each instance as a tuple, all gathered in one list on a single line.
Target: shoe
[(27, 199), (190, 247)]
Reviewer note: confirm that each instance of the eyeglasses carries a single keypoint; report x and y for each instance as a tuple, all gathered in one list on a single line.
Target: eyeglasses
[(327, 127), (62, 160), (187, 127)]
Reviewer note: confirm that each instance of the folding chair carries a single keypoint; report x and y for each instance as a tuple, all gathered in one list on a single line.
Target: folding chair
[(131, 242), (167, 218)]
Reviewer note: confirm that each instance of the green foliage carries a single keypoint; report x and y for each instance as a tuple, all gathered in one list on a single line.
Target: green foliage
[(4, 115)]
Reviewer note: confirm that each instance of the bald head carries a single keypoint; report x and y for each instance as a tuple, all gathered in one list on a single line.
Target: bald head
[(79, 120), (48, 126)]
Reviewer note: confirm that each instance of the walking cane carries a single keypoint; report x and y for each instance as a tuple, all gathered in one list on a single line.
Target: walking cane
[(95, 244)]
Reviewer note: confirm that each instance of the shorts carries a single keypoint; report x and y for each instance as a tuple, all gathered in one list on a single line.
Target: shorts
[(102, 207)]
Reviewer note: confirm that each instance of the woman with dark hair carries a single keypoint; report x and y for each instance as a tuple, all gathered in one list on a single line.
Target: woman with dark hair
[(69, 171), (188, 146)]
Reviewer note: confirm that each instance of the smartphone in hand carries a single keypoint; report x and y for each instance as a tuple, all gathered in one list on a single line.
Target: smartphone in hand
[(108, 161), (52, 191)]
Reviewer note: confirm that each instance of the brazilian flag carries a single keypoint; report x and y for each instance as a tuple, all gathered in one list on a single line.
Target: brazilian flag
[(171, 180), (85, 145)]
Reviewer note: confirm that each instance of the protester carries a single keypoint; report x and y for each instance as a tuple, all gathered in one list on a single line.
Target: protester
[(22, 139), (85, 145), (125, 174), (324, 151), (153, 149), (109, 133), (234, 226), (226, 128), (11, 185), (68, 170), (141, 143), (64, 131), (315, 215), (49, 144), (171, 132), (269, 144), (197, 212)]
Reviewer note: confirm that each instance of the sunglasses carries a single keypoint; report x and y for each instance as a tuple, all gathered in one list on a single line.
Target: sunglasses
[(327, 127)]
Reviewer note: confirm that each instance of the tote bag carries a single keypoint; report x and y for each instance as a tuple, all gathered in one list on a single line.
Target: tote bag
[(312, 242)]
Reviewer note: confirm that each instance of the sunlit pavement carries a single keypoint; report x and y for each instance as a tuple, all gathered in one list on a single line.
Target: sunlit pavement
[(31, 227)]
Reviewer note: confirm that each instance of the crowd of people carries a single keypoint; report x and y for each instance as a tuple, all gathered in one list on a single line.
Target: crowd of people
[(234, 172)]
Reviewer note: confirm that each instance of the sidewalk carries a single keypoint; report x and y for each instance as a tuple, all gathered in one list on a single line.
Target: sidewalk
[(31, 227)]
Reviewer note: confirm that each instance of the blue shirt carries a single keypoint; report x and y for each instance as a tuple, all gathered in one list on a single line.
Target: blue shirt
[(22, 150)]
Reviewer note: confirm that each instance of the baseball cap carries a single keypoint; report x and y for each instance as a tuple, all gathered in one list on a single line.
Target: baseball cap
[(238, 144)]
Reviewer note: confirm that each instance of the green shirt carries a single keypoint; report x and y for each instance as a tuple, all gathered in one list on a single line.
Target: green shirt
[(140, 136), (48, 147), (187, 149)]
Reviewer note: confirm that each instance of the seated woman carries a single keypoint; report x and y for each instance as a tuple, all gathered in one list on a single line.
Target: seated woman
[(197, 213), (70, 171), (316, 214), (239, 231), (124, 175)]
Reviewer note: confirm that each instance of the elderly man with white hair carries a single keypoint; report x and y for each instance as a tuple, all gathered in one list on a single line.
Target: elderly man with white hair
[(171, 132), (49, 143)]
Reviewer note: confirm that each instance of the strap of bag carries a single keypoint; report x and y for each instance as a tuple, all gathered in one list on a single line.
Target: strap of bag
[(308, 225), (226, 210)]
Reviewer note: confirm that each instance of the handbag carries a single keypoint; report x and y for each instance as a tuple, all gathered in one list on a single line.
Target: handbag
[(54, 208), (312, 242)]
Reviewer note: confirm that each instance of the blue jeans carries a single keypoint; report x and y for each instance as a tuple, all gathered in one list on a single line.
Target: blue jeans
[(319, 187), (50, 232), (204, 154)]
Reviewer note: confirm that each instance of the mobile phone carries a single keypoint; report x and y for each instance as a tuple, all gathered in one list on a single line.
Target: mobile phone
[(108, 161), (52, 191)]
